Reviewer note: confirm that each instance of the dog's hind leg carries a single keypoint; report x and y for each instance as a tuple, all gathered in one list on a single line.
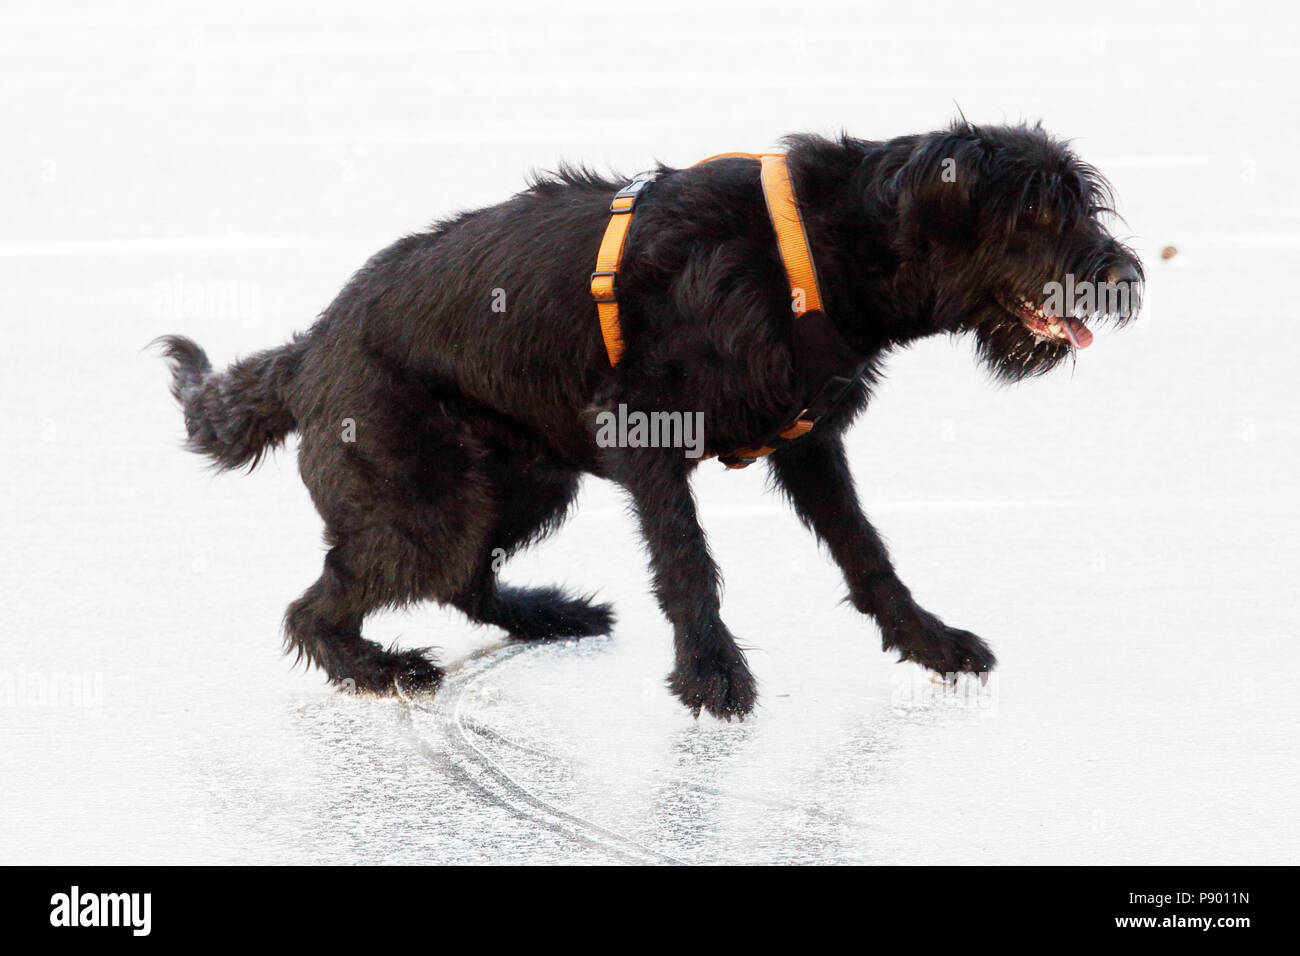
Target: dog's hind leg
[(534, 495), (537, 614), (324, 628), (408, 510), (424, 504), (406, 544)]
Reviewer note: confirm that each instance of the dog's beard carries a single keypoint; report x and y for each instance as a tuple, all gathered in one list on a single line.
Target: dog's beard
[(1020, 334), (1010, 352)]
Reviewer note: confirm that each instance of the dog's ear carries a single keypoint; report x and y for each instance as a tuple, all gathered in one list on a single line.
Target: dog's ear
[(934, 187)]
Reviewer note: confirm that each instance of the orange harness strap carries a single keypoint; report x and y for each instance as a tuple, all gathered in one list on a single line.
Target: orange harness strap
[(603, 288), (790, 236), (792, 242)]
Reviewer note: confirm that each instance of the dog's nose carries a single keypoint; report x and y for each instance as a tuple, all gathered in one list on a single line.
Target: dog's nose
[(1123, 273)]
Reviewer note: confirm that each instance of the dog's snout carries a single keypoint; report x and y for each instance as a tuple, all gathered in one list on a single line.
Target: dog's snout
[(1123, 273)]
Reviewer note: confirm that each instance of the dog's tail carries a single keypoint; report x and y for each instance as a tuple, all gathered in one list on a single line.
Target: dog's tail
[(236, 416)]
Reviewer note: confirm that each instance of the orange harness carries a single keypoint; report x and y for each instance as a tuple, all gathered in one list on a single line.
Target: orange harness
[(824, 363)]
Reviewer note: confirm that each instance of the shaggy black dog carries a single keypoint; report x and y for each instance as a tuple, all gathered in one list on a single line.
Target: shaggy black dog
[(446, 402)]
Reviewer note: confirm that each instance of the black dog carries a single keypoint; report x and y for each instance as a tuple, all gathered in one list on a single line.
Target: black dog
[(446, 401)]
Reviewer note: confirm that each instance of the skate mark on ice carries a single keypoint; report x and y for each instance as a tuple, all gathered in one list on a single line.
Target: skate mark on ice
[(462, 724), (470, 764)]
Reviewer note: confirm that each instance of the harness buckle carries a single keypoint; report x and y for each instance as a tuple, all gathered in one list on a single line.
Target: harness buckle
[(625, 199), (799, 426), (604, 291)]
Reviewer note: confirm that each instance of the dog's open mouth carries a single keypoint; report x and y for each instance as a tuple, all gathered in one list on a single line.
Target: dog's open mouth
[(1043, 324)]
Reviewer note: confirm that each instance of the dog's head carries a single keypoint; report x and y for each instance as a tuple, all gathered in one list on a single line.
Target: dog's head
[(1003, 232)]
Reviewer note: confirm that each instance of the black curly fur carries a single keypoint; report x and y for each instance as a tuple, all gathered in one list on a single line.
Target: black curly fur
[(472, 425), (238, 416)]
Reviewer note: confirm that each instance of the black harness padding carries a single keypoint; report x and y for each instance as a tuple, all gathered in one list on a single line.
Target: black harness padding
[(825, 367)]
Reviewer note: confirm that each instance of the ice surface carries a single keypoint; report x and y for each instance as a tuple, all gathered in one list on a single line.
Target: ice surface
[(1125, 536)]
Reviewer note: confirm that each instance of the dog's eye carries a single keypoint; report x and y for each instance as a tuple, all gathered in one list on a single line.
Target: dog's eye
[(1034, 213)]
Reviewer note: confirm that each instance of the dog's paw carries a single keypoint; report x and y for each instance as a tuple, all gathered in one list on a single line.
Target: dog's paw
[(726, 689), (545, 614), (417, 675), (921, 637), (404, 672)]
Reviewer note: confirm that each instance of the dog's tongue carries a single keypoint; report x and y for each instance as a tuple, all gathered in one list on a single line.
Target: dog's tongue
[(1080, 335)]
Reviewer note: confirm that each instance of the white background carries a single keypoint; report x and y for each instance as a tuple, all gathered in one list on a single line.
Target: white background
[(1125, 535)]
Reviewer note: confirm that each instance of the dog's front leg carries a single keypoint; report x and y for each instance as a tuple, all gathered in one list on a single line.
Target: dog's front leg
[(710, 671), (814, 474)]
